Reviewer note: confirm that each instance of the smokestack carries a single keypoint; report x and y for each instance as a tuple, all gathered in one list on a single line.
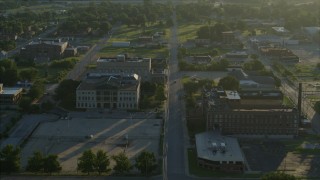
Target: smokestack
[(300, 99)]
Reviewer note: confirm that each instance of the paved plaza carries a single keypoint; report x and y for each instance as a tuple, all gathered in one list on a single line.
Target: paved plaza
[(70, 138)]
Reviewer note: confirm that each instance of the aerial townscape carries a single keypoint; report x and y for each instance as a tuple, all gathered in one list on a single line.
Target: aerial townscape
[(160, 89)]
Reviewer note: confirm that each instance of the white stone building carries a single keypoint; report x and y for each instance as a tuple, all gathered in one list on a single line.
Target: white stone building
[(109, 91)]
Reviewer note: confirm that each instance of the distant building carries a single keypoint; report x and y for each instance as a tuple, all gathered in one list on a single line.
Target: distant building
[(249, 114), (70, 52), (3, 54), (228, 37), (109, 91), (237, 54), (141, 66), (281, 54), (312, 32), (8, 36), (280, 30), (145, 39), (202, 42), (123, 64), (253, 82), (10, 96), (219, 153), (46, 49), (121, 44)]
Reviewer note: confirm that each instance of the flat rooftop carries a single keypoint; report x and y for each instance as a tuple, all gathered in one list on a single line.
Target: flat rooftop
[(116, 60), (233, 95), (210, 146), (10, 91)]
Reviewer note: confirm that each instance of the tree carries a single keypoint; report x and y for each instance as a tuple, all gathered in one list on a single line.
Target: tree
[(28, 74), (9, 73), (101, 162), (105, 27), (66, 92), (253, 65), (86, 162), (123, 164), (169, 22), (224, 63), (36, 162), (229, 83), (36, 90), (278, 176), (25, 103), (51, 164), (317, 107), (146, 162), (159, 94), (10, 159)]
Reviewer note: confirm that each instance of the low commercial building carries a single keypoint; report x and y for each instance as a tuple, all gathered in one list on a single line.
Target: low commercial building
[(281, 54), (251, 82), (109, 91), (46, 49), (10, 96), (148, 69), (123, 64), (249, 114), (228, 37), (219, 153)]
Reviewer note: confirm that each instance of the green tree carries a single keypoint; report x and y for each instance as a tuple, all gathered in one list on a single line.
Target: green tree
[(66, 92), (51, 164), (123, 164), (10, 159), (253, 65), (105, 27), (278, 176), (146, 162), (317, 107), (86, 162), (224, 63), (25, 103), (36, 162), (159, 94), (47, 106), (36, 90), (9, 73), (229, 83), (169, 22), (28, 74), (101, 162)]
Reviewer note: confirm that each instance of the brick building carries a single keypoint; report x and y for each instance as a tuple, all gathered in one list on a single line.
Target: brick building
[(249, 114), (47, 49)]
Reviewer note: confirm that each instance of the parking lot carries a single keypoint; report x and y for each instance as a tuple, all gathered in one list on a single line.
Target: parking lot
[(272, 155), (68, 138)]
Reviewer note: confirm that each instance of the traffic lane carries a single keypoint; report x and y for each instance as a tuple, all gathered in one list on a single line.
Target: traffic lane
[(175, 133)]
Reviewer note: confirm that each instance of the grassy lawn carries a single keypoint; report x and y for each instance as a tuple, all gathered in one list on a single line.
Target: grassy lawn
[(287, 102), (194, 169), (295, 145), (48, 74), (188, 31), (36, 8), (89, 41), (132, 33), (134, 52)]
